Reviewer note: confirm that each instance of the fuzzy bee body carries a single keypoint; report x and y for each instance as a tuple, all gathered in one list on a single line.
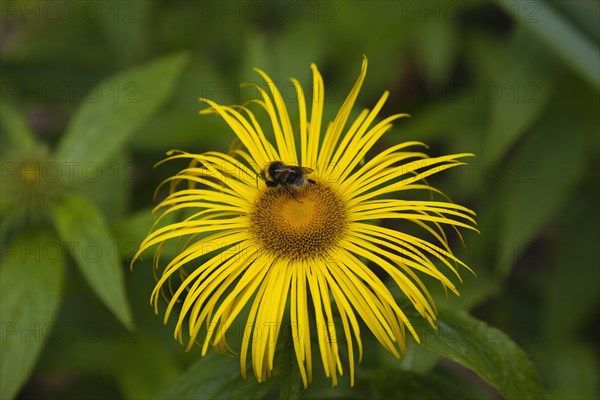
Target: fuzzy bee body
[(288, 176)]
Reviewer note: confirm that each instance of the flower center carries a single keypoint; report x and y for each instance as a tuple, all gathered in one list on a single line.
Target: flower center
[(303, 226)]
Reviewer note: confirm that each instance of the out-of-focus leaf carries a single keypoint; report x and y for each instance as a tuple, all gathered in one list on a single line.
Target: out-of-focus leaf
[(127, 27), (107, 186), (540, 177), (584, 14), (571, 369), (142, 368), (178, 125), (40, 38), (16, 128), (132, 230), (458, 119), (217, 376), (518, 94), (485, 350), (559, 34), (83, 230), (30, 291), (474, 289), (438, 46), (570, 291), (99, 129)]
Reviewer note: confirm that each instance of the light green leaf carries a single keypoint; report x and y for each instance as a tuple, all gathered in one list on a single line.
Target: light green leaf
[(108, 186), (217, 376), (485, 350), (16, 128), (560, 34), (121, 104), (30, 291), (83, 230)]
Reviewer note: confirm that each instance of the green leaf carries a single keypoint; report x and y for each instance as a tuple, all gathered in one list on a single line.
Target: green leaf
[(143, 368), (486, 350), (392, 383), (571, 267), (30, 291), (108, 186), (518, 94), (16, 128), (217, 376), (127, 29), (123, 102), (438, 49), (560, 34), (130, 231), (290, 374), (571, 369), (83, 230), (541, 176), (178, 124)]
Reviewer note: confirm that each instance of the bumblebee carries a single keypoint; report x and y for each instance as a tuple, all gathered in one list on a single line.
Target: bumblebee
[(288, 176)]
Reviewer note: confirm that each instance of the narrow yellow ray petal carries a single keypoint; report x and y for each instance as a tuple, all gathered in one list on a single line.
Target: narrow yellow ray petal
[(279, 133), (284, 118), (321, 324), (241, 128), (296, 331), (316, 114), (332, 136)]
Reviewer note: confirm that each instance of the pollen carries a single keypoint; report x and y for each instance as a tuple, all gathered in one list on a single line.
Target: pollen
[(303, 226)]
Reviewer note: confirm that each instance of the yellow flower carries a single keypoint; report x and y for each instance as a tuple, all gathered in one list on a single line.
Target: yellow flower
[(306, 239)]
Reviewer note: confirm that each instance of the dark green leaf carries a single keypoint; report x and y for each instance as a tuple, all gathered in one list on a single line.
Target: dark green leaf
[(571, 369), (486, 350), (395, 384), (217, 376), (30, 281), (540, 177), (290, 374), (83, 230), (571, 276), (123, 102), (143, 368), (518, 94)]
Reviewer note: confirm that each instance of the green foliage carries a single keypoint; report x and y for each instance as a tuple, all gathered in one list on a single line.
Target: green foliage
[(485, 350), (216, 376), (95, 253), (30, 292), (99, 92), (100, 128)]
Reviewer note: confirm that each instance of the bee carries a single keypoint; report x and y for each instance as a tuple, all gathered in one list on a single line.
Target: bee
[(288, 176)]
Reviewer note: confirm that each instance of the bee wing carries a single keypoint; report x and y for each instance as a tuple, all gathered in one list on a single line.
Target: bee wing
[(306, 170)]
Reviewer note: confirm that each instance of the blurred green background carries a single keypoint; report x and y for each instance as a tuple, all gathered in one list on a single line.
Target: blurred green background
[(515, 82)]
